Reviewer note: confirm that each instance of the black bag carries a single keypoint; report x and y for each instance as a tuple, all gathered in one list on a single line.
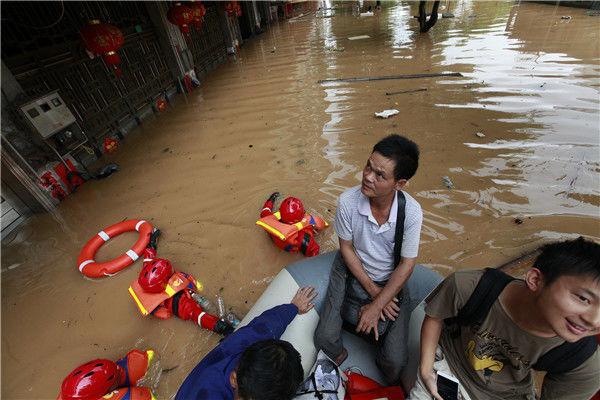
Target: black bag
[(357, 296)]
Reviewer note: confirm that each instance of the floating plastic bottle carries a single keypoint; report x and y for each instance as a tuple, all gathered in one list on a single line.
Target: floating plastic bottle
[(232, 319), (221, 306), (202, 301)]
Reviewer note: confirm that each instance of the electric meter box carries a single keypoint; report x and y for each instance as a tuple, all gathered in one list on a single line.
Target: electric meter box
[(48, 114)]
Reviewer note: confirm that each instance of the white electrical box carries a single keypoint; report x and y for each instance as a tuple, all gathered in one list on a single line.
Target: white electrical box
[(48, 114)]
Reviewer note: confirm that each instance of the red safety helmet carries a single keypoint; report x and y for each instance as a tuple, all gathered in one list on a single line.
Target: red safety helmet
[(155, 275), (292, 210), (90, 381)]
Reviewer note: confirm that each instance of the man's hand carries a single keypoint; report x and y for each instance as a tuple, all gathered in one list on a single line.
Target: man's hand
[(391, 310), (368, 319), (303, 299), (430, 383)]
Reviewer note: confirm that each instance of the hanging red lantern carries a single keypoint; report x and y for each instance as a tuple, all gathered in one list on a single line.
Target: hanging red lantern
[(103, 39), (110, 145), (181, 15), (198, 12), (229, 9), (233, 8), (161, 105)]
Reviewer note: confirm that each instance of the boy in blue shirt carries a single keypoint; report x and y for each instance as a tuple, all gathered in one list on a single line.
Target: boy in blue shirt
[(252, 363)]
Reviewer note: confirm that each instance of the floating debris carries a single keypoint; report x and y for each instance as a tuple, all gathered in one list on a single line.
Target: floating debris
[(334, 48), (565, 17), (359, 37), (381, 78), (406, 91), (106, 171), (447, 182), (518, 221), (387, 113), (479, 134)]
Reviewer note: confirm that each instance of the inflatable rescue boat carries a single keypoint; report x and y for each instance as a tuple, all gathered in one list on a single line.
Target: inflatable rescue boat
[(314, 272)]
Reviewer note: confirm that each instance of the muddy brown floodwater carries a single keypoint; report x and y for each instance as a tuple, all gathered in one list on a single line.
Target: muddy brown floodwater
[(201, 170)]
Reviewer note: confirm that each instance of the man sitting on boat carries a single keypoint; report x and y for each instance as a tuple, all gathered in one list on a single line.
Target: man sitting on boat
[(252, 363), (379, 227), (492, 329)]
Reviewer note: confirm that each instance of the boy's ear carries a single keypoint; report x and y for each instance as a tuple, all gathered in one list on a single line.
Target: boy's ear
[(534, 279), (233, 380), (400, 184)]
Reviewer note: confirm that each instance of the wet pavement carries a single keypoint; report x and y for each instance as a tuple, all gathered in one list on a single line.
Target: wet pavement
[(201, 170)]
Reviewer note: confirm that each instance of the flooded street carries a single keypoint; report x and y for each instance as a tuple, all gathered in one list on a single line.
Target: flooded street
[(201, 170)]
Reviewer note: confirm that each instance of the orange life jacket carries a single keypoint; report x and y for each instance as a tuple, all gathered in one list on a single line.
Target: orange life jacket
[(285, 232), (148, 302), (134, 366), (130, 393)]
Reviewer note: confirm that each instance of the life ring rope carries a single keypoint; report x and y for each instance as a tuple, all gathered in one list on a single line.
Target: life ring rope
[(87, 264)]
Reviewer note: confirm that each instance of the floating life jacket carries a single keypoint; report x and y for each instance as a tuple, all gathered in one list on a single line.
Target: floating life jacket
[(148, 302), (292, 237), (273, 225), (133, 366), (130, 393)]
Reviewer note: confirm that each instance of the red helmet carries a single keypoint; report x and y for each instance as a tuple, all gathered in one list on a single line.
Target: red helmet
[(291, 210), (90, 381), (155, 275)]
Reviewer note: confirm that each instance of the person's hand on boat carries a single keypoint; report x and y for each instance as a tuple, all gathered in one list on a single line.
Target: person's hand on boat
[(430, 383), (303, 299), (368, 318)]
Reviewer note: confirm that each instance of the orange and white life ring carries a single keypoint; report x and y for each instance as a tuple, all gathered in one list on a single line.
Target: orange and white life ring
[(92, 269)]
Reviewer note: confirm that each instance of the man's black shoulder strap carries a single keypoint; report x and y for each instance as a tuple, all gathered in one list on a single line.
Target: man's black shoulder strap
[(560, 359), (567, 356), (399, 227), (477, 307)]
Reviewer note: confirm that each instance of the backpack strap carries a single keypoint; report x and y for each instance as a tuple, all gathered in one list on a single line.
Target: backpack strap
[(567, 356), (399, 227), (477, 307)]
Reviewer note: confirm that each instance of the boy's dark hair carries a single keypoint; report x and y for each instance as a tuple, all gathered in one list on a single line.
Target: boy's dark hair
[(404, 152), (269, 370), (578, 257)]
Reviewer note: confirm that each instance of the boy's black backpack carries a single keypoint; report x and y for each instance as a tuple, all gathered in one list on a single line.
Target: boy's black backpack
[(560, 359)]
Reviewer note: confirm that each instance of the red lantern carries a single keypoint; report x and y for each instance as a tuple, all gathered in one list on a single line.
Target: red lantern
[(233, 8), (229, 9), (198, 11), (110, 145), (103, 39), (181, 16), (161, 105)]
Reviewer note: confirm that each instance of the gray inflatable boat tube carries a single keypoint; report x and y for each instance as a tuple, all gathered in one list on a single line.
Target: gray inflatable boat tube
[(314, 272)]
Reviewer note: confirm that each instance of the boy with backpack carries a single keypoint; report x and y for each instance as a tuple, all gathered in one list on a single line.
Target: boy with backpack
[(492, 329)]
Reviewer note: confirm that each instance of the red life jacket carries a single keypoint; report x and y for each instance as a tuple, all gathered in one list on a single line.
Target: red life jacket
[(289, 237), (148, 302)]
